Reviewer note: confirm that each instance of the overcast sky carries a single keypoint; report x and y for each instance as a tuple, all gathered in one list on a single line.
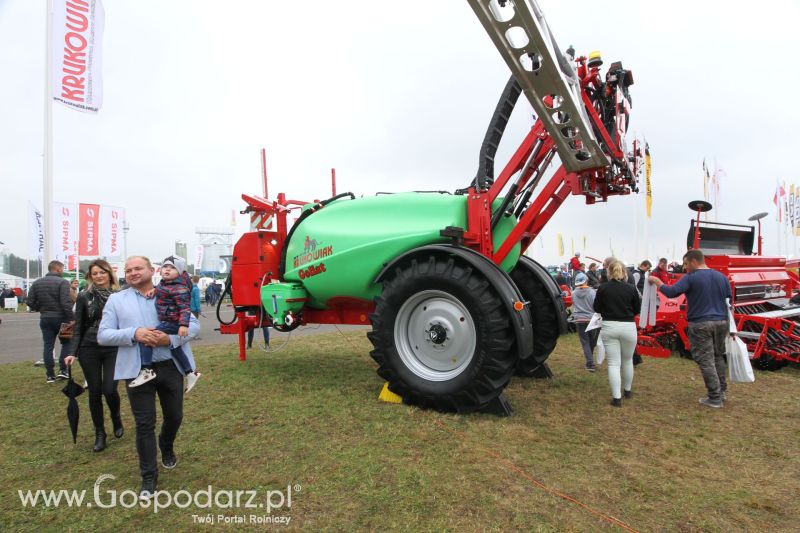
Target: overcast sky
[(397, 96)]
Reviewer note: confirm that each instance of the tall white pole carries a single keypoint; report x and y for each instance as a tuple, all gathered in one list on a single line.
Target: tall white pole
[(47, 180), (635, 228), (28, 260), (125, 228)]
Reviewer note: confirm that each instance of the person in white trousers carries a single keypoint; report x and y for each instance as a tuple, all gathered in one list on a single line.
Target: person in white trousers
[(618, 302)]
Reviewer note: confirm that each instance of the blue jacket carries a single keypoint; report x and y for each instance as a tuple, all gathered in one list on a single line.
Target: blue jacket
[(127, 310), (194, 304), (705, 291)]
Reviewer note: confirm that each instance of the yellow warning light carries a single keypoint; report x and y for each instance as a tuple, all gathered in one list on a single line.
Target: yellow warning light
[(595, 59)]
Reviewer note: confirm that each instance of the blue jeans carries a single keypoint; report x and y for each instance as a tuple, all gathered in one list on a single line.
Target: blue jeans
[(588, 341), (251, 333), (50, 327), (170, 328)]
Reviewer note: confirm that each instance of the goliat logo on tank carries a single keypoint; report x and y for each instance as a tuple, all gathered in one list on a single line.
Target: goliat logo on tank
[(313, 270)]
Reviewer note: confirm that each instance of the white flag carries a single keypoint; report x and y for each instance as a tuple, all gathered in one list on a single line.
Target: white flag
[(64, 228), (37, 232), (198, 258), (77, 54), (111, 234)]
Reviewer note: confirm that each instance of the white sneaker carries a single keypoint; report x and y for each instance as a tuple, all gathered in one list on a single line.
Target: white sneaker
[(145, 375), (191, 380)]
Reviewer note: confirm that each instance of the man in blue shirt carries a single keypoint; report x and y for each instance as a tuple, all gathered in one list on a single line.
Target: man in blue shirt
[(706, 291), (130, 319)]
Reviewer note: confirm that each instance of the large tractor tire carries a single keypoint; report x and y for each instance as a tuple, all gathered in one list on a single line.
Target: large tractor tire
[(442, 337), (548, 313)]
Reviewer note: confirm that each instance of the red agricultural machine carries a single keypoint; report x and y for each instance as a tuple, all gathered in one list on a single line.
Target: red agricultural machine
[(456, 307), (762, 288)]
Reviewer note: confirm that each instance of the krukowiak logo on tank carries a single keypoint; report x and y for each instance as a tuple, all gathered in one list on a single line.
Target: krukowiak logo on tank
[(312, 251)]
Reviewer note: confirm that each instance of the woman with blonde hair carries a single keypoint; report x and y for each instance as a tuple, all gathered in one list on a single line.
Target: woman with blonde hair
[(96, 361), (618, 302)]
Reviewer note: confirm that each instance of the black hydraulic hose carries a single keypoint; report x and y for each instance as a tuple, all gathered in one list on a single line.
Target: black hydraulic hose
[(494, 134), (304, 215), (228, 290), (502, 209), (526, 195), (323, 203)]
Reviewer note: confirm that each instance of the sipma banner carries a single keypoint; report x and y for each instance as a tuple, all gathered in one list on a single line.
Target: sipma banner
[(76, 51), (65, 232), (89, 224), (111, 234)]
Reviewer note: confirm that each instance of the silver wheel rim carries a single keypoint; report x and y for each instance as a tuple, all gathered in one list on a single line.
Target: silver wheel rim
[(435, 335)]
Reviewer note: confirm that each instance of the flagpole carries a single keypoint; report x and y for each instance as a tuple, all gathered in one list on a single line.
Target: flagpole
[(28, 260), (47, 179), (635, 227)]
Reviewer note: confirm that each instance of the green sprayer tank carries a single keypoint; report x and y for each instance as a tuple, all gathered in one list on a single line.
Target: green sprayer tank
[(338, 251)]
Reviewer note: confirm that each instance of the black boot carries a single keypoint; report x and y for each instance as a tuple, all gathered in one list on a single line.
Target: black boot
[(116, 419), (99, 439)]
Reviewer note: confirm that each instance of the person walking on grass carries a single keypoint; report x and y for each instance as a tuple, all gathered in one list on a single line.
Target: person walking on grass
[(582, 311), (661, 271), (640, 274), (707, 312), (264, 333), (618, 302), (74, 289), (97, 361), (50, 296), (592, 276), (194, 304), (129, 320), (173, 303)]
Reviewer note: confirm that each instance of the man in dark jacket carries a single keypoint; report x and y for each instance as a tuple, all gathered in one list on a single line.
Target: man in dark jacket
[(640, 274), (706, 293), (50, 296)]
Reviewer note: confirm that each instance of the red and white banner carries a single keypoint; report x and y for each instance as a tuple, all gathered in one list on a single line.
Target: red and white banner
[(64, 229), (111, 235), (76, 51), (89, 224)]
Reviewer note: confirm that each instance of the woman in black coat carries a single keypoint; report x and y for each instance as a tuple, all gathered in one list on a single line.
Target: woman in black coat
[(96, 361)]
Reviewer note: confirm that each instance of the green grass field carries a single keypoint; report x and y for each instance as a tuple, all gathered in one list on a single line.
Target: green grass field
[(308, 417)]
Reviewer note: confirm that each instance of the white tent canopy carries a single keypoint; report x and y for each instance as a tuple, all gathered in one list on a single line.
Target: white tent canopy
[(7, 280)]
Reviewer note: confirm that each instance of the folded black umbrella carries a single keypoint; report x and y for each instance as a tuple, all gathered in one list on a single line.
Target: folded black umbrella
[(72, 390)]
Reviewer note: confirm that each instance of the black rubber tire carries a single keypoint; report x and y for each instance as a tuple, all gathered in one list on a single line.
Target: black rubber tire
[(767, 362), (544, 317), (495, 353)]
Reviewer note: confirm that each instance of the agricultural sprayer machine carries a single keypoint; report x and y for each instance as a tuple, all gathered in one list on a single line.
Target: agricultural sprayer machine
[(455, 307), (762, 289)]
